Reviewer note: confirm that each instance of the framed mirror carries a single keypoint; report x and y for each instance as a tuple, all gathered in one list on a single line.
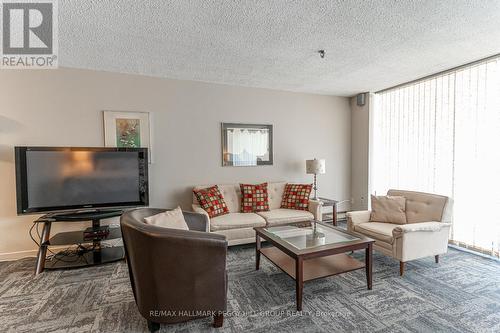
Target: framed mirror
[(247, 144)]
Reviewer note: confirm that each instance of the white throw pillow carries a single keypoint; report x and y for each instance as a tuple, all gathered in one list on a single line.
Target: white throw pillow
[(173, 219)]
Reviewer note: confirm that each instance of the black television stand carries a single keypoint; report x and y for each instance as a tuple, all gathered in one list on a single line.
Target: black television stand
[(89, 250)]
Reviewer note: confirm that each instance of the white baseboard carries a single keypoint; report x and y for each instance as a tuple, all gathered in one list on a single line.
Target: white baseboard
[(10, 256)]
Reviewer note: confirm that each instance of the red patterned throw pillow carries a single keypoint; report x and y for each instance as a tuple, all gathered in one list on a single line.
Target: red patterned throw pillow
[(296, 196), (254, 198), (212, 201)]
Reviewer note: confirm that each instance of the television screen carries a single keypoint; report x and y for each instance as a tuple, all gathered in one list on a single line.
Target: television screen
[(57, 179)]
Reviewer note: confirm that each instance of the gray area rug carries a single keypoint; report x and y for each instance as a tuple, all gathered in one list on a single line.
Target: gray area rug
[(461, 294)]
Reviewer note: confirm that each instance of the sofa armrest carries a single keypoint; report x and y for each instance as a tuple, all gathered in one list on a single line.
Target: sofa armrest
[(315, 209), (422, 226), (197, 221), (357, 217), (199, 210), (360, 216)]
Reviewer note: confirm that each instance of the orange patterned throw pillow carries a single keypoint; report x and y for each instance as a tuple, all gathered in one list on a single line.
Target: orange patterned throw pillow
[(296, 196), (212, 201), (254, 198)]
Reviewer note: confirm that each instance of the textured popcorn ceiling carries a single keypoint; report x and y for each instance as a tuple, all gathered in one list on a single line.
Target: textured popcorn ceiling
[(369, 45)]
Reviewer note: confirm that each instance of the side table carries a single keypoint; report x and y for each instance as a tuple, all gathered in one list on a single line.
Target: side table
[(333, 203)]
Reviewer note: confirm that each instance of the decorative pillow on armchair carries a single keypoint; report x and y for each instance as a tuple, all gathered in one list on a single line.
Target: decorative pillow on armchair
[(388, 209), (254, 198), (173, 219), (212, 201), (296, 196)]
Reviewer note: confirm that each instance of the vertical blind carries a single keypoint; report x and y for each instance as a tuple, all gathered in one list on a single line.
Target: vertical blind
[(442, 135)]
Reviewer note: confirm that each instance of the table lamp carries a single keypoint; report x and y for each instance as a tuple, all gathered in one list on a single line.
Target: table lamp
[(315, 167)]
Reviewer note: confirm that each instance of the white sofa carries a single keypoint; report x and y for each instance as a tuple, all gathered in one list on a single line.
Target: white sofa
[(425, 233), (238, 227)]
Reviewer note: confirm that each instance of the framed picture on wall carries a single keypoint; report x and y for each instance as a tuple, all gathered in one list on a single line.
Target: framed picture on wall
[(247, 144), (127, 129)]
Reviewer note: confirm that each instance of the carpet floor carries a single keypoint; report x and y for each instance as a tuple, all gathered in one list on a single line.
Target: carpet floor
[(460, 294)]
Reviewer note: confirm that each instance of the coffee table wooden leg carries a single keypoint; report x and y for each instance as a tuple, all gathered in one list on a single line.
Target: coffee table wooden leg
[(299, 282), (368, 265), (257, 252)]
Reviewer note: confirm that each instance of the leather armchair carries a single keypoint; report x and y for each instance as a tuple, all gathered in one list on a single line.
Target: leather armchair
[(425, 233), (176, 275)]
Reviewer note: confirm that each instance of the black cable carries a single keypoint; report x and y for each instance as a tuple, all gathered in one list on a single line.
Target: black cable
[(31, 236), (66, 253), (38, 232), (77, 253), (39, 237)]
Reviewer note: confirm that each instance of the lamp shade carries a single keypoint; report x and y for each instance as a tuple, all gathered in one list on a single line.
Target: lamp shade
[(315, 167)]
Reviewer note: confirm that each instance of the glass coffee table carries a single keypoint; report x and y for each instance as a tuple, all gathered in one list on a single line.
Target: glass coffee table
[(307, 252)]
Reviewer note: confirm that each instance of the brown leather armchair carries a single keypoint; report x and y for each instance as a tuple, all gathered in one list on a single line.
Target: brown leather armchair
[(176, 275)]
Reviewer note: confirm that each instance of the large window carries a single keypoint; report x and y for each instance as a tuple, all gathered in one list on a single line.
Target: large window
[(442, 135)]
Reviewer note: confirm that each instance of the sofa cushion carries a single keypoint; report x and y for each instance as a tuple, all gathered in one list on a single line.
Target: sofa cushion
[(254, 198), (238, 236), (284, 215), (212, 201), (296, 196), (422, 207), (236, 220), (388, 209), (231, 194), (380, 231), (275, 191)]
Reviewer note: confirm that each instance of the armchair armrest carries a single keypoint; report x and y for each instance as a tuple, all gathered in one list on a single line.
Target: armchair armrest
[(422, 226), (315, 209), (197, 221), (419, 240), (448, 211), (357, 217)]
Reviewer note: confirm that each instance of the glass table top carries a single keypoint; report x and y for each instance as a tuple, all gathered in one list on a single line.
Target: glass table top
[(306, 238)]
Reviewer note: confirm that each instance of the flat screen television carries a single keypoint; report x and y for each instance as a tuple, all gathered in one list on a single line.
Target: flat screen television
[(62, 179)]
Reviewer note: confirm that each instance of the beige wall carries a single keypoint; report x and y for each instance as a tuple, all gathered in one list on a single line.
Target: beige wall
[(63, 108), (360, 153)]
